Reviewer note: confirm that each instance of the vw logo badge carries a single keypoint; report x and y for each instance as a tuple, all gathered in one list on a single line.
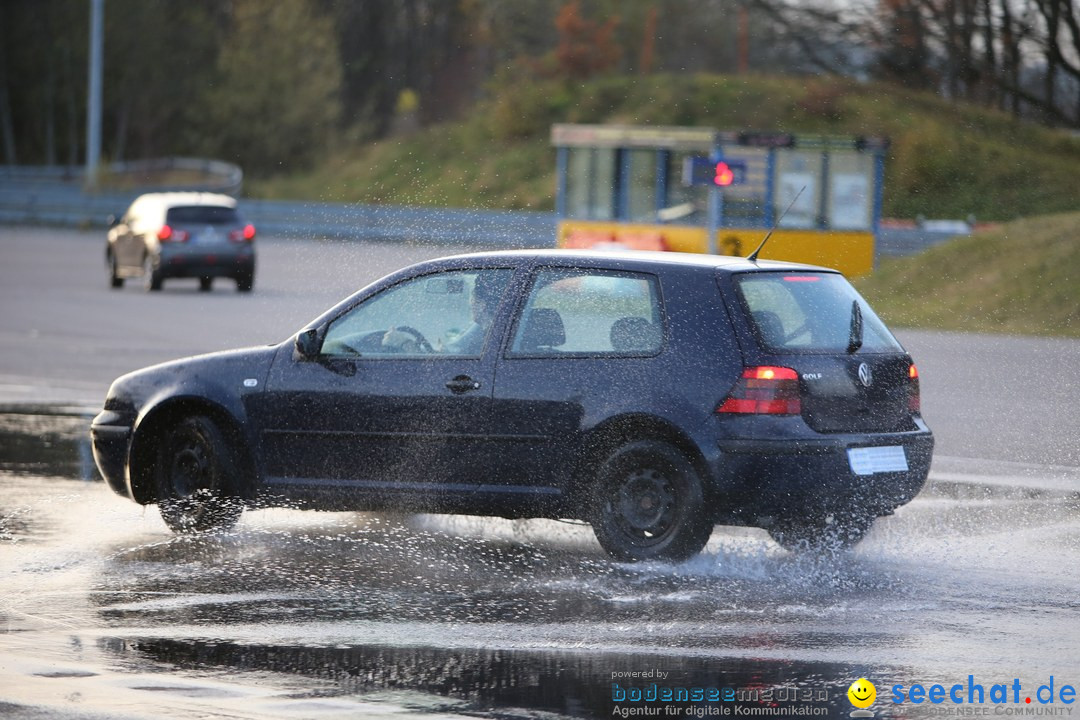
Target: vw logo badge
[(865, 376)]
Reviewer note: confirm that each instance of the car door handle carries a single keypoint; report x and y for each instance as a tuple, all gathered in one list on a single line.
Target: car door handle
[(462, 384)]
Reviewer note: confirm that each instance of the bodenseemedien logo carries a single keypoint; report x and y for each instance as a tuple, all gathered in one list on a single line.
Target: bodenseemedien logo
[(862, 694)]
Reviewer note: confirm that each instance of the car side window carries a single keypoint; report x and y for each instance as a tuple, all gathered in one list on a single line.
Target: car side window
[(448, 313), (590, 312)]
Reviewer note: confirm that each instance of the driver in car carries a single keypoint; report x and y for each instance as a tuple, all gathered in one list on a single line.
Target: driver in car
[(485, 301)]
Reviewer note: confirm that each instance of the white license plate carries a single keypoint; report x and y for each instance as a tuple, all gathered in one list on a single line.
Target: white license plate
[(870, 460)]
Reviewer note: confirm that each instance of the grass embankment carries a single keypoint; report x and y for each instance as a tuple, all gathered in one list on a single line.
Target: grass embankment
[(1023, 277), (947, 159)]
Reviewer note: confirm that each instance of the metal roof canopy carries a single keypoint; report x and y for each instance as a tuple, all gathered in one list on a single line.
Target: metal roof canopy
[(699, 139)]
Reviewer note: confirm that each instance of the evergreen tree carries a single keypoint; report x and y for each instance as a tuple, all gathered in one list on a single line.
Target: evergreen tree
[(276, 102)]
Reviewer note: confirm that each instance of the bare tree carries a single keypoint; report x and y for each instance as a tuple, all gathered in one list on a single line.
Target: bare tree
[(831, 38), (901, 36), (7, 126), (1061, 50)]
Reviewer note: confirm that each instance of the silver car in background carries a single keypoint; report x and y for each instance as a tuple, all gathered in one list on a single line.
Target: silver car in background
[(181, 235)]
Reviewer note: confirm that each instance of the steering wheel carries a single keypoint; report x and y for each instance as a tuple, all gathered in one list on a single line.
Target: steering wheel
[(421, 341)]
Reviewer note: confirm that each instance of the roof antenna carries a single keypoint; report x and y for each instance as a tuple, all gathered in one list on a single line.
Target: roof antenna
[(752, 257)]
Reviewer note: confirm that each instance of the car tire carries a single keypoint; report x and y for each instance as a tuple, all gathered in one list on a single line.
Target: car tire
[(152, 277), (115, 281), (196, 473), (244, 283), (649, 504), (832, 534), (206, 284)]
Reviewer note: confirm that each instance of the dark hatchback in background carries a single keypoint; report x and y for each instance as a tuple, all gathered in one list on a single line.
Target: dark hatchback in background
[(181, 235), (653, 395)]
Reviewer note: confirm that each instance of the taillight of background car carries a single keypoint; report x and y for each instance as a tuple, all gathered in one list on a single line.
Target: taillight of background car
[(167, 234), (764, 390), (914, 399), (245, 235)]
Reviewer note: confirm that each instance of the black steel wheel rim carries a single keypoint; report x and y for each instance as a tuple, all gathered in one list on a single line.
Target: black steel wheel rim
[(191, 470), (645, 506)]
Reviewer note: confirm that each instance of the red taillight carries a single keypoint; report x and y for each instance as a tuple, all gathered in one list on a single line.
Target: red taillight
[(245, 235), (167, 234), (914, 399), (764, 390)]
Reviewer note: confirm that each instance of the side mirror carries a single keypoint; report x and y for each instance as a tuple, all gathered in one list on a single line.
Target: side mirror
[(308, 343)]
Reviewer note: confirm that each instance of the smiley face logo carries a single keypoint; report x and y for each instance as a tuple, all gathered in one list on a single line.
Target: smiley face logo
[(862, 693)]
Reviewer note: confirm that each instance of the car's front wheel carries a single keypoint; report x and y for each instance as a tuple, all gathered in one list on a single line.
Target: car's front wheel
[(649, 504), (830, 534), (196, 475)]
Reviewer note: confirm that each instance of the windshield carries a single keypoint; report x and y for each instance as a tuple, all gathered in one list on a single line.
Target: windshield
[(809, 312)]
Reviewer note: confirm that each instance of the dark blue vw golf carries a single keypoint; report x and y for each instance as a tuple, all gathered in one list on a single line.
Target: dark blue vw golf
[(653, 395)]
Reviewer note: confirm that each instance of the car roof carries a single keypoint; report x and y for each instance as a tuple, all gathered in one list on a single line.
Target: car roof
[(178, 199), (637, 259)]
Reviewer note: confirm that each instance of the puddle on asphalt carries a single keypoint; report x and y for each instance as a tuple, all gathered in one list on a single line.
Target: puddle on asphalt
[(574, 684), (54, 445)]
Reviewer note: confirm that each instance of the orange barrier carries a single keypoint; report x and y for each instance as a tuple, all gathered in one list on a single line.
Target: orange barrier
[(584, 239), (641, 240)]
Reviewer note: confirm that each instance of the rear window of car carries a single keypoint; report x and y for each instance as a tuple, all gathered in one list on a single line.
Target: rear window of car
[(202, 215), (809, 312)]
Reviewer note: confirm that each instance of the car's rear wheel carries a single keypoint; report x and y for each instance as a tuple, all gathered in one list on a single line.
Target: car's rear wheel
[(649, 504), (206, 284), (829, 534), (152, 277), (115, 281), (244, 283), (196, 476)]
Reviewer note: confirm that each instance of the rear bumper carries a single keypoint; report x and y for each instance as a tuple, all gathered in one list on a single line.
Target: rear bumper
[(812, 477), (207, 264)]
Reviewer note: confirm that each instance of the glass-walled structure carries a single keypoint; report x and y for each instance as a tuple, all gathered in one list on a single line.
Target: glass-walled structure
[(624, 185)]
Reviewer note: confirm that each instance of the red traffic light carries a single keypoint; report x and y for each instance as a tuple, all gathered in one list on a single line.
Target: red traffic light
[(724, 175)]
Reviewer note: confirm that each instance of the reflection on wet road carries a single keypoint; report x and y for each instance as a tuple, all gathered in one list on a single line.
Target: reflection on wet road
[(348, 614)]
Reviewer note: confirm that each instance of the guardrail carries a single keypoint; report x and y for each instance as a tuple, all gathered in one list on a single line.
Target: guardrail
[(895, 242), (213, 175), (385, 222), (140, 175), (42, 203), (53, 196)]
